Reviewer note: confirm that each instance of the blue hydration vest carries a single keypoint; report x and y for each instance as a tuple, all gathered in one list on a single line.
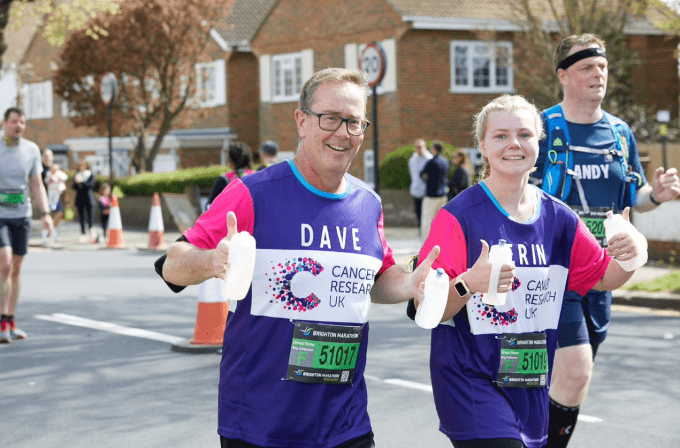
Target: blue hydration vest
[(559, 169)]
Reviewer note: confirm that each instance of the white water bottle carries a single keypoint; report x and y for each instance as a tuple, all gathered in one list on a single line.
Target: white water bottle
[(435, 296), (499, 255), (616, 224), (241, 266)]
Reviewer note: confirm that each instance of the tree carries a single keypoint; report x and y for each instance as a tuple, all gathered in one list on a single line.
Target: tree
[(546, 22), (60, 16), (153, 48)]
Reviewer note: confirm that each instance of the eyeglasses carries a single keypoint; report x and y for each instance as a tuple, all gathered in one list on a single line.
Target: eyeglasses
[(330, 122)]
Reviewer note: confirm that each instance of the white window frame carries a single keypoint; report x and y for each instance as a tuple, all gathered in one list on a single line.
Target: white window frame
[(469, 87), (38, 100), (217, 96), (284, 65)]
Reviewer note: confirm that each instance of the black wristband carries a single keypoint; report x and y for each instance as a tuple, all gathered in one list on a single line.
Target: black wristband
[(45, 214), (653, 199)]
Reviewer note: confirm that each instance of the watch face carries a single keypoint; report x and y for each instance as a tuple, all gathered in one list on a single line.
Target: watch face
[(461, 289)]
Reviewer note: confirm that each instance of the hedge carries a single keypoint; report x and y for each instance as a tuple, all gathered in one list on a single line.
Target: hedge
[(394, 167), (147, 184), (393, 175)]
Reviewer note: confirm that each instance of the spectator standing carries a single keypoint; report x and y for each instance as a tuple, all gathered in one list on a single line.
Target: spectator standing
[(313, 224), (20, 175), (584, 139), (268, 152), (104, 201), (460, 179), (58, 182), (239, 164), (416, 163), (83, 184), (435, 174)]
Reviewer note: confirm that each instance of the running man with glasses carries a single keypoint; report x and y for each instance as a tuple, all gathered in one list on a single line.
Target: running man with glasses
[(292, 372)]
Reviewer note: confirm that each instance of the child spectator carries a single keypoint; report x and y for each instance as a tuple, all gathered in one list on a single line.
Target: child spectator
[(104, 206)]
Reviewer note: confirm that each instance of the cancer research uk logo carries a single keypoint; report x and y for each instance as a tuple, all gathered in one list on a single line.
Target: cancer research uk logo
[(490, 314), (281, 277)]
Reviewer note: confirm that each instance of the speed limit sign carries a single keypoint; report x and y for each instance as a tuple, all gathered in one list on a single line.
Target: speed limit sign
[(373, 62), (108, 88)]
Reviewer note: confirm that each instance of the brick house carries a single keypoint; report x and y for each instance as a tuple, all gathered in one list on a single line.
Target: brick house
[(439, 70), (228, 102)]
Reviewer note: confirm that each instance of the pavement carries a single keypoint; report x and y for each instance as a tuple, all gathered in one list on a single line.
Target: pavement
[(404, 242)]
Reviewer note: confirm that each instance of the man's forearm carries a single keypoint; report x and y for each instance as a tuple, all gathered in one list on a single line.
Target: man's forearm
[(187, 264)]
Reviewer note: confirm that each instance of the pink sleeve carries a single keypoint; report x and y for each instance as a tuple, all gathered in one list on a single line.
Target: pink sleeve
[(588, 263), (388, 258), (211, 226), (447, 233)]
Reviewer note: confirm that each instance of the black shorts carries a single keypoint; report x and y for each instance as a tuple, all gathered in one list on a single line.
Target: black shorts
[(14, 233), (585, 319), (488, 443), (360, 442)]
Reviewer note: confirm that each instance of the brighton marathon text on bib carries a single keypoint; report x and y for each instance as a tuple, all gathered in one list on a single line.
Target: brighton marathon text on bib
[(11, 197), (524, 360), (594, 221), (323, 353)]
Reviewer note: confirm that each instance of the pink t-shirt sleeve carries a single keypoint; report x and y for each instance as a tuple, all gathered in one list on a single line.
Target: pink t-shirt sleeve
[(446, 233), (588, 263), (388, 258), (211, 226)]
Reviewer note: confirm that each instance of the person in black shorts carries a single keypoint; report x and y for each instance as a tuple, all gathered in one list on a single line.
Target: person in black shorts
[(20, 175)]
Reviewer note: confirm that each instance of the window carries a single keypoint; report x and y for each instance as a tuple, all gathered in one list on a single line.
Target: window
[(482, 67), (211, 84), (283, 75), (286, 74), (38, 100)]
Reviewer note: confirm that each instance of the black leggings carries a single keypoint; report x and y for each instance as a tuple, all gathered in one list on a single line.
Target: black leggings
[(82, 209), (488, 443), (360, 442)]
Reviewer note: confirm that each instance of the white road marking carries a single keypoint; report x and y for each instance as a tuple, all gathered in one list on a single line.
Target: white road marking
[(589, 419), (428, 388), (146, 334), (409, 384), (111, 328)]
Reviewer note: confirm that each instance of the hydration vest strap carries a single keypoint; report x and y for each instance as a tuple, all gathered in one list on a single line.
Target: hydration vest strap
[(556, 179)]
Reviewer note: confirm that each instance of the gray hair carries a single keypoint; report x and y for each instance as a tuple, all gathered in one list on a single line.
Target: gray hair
[(333, 74)]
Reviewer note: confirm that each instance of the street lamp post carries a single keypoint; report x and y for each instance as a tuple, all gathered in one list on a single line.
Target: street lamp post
[(109, 89)]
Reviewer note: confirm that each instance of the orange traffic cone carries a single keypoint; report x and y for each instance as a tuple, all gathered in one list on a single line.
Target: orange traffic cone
[(115, 240), (211, 319), (156, 229)]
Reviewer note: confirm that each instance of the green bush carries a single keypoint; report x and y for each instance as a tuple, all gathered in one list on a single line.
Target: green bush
[(147, 184), (394, 167)]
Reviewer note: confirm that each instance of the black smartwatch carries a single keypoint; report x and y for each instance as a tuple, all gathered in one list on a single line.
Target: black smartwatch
[(461, 288)]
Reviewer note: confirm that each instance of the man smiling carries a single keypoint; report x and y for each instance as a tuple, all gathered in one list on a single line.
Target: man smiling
[(292, 372)]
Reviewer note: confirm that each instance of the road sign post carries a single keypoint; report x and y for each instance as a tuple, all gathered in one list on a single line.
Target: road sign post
[(374, 63), (663, 117), (109, 89)]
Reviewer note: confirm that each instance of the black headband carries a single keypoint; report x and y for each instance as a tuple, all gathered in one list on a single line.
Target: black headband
[(574, 58)]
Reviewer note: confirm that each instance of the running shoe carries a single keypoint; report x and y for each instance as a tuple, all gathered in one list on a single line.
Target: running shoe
[(4, 332), (14, 332)]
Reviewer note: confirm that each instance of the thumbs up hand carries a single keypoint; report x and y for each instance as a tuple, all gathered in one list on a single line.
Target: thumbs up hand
[(220, 259), (665, 184), (478, 276)]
